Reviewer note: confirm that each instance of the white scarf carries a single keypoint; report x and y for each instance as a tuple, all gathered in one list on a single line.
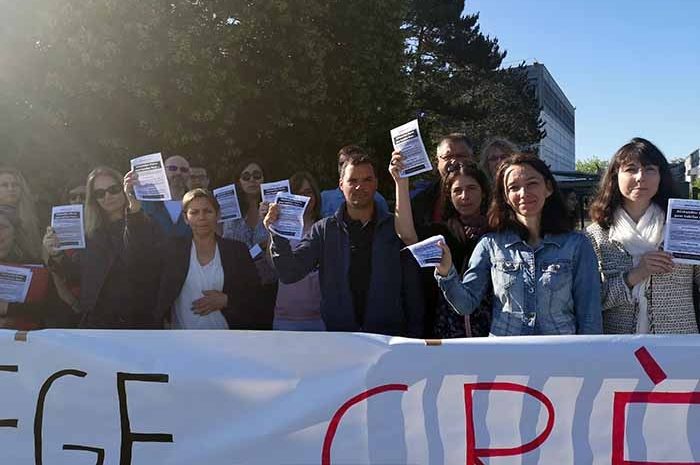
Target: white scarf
[(639, 238)]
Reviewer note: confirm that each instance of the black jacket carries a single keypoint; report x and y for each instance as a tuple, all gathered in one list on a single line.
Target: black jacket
[(162, 265), (109, 296)]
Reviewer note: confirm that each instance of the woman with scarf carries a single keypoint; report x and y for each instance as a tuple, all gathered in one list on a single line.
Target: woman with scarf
[(466, 190), (643, 290)]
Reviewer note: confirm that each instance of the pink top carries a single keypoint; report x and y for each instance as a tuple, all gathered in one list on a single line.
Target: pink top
[(300, 300)]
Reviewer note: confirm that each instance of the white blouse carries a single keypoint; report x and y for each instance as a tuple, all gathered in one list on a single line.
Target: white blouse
[(209, 277)]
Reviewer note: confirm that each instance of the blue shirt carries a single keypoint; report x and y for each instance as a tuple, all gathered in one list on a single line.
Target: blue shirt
[(551, 289), (331, 200), (159, 214)]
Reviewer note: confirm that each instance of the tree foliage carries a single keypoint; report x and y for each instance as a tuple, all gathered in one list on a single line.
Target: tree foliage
[(455, 79), (593, 165), (90, 82)]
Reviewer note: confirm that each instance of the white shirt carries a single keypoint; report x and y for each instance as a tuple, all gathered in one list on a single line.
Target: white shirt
[(174, 208), (209, 277)]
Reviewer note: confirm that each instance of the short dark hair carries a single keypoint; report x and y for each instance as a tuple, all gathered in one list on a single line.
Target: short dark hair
[(356, 160), (464, 168), (349, 151), (456, 138), (555, 216), (199, 193), (608, 198)]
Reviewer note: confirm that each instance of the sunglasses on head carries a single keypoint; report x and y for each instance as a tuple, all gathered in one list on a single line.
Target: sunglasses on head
[(114, 189), (183, 169), (255, 175)]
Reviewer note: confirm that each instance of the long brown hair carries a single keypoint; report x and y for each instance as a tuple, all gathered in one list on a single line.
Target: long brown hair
[(28, 235), (94, 216), (501, 217), (608, 198), (295, 183)]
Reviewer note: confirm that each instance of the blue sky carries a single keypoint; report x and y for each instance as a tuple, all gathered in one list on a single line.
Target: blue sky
[(631, 68)]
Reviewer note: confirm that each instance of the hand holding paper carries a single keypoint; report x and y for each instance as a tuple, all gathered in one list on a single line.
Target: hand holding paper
[(152, 182), (407, 140), (289, 210), (428, 252), (228, 201), (67, 225)]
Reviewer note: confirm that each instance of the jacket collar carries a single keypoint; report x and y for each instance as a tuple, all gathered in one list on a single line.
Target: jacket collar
[(511, 238), (379, 217)]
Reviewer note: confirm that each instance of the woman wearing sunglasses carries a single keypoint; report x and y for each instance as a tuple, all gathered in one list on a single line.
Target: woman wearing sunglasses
[(108, 297), (248, 175)]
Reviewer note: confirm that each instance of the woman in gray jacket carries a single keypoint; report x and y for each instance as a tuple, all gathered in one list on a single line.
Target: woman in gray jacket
[(643, 290)]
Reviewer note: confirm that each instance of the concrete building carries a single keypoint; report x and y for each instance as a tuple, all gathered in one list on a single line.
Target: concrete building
[(692, 172), (558, 148)]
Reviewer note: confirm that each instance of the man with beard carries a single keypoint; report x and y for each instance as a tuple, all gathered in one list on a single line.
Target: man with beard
[(168, 214), (367, 283)]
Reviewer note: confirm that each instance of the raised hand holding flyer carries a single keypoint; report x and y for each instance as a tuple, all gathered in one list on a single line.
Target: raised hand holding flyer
[(269, 190), (67, 221), (290, 222), (14, 283), (228, 201), (152, 182), (427, 253), (682, 231), (406, 139)]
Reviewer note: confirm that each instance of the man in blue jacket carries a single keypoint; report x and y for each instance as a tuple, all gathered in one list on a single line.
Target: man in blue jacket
[(367, 283), (168, 214)]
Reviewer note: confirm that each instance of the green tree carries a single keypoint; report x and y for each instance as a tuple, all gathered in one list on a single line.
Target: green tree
[(455, 79), (593, 165)]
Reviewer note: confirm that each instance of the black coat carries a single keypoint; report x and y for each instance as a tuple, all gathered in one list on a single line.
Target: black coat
[(162, 265), (109, 296)]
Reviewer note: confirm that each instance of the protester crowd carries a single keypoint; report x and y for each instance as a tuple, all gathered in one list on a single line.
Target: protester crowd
[(512, 262)]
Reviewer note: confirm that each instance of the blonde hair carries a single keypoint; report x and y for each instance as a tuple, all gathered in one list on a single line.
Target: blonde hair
[(495, 143), (94, 216), (27, 235)]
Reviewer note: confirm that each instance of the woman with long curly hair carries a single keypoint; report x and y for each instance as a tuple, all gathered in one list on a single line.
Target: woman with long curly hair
[(15, 193)]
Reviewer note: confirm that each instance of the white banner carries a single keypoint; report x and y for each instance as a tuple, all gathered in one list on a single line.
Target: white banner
[(223, 398)]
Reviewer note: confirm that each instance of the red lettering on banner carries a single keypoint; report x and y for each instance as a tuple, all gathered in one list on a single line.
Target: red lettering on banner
[(622, 399), (653, 370), (335, 421), (473, 453)]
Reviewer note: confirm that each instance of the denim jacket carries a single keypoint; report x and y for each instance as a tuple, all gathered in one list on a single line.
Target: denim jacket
[(553, 289)]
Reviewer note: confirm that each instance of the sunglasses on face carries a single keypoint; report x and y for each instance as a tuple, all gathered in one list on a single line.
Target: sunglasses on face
[(454, 156), (114, 189), (183, 169), (255, 175), (454, 166)]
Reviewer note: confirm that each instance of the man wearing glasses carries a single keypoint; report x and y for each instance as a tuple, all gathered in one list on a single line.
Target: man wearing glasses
[(168, 214), (428, 203)]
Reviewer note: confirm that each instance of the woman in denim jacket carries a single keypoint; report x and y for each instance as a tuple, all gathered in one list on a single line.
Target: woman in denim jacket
[(544, 274)]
